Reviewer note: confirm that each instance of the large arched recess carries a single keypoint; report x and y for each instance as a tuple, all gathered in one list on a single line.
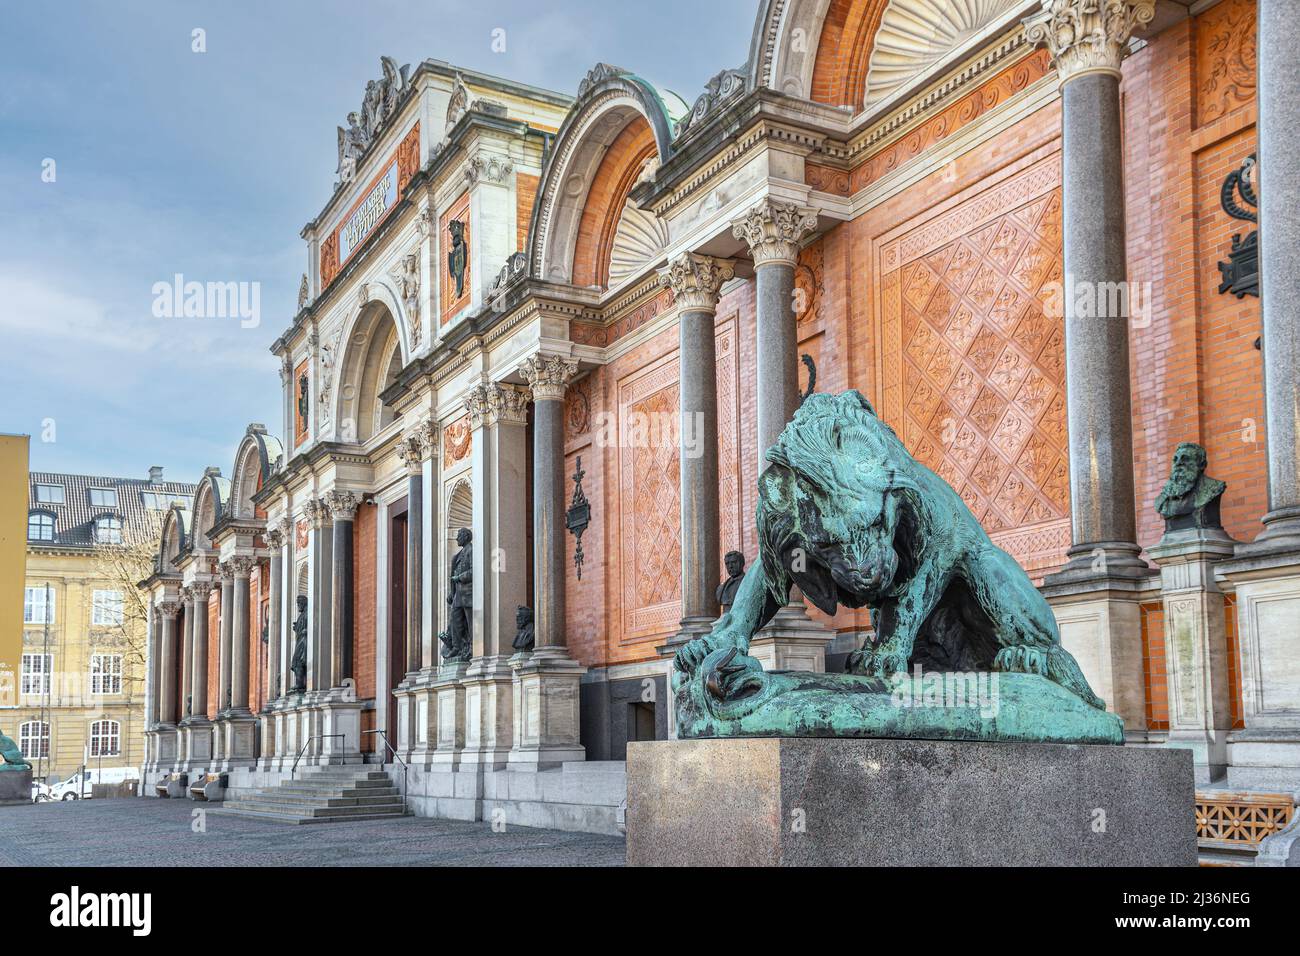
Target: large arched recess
[(374, 352), (211, 505), (255, 459), (618, 122), (173, 540)]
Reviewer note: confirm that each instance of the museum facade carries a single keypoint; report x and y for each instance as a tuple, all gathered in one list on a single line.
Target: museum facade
[(1025, 230)]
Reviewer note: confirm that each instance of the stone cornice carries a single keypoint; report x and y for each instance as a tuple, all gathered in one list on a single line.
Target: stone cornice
[(1088, 36), (695, 281)]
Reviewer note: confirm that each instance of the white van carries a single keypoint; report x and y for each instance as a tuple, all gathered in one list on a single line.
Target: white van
[(78, 786)]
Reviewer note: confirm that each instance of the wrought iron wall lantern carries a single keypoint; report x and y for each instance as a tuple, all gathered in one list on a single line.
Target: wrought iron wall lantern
[(1241, 270), (578, 516)]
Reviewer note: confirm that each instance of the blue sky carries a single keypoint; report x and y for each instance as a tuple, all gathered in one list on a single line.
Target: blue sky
[(168, 161)]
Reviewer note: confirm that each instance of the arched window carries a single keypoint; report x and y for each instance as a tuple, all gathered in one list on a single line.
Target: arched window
[(34, 739), (104, 739), (40, 526), (108, 529)]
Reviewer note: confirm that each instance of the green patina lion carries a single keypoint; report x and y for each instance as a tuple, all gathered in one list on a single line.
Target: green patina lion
[(11, 755), (852, 519)]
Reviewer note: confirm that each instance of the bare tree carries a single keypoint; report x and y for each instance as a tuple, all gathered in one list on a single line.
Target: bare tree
[(124, 565)]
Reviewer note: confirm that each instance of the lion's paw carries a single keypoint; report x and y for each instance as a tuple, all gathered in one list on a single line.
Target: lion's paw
[(859, 662), (886, 663)]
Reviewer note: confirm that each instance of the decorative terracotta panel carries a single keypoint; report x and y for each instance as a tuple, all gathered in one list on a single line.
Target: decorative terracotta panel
[(457, 440), (971, 363), (1225, 59)]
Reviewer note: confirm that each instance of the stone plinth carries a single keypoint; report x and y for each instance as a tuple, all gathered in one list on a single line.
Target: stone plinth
[(15, 787), (843, 802)]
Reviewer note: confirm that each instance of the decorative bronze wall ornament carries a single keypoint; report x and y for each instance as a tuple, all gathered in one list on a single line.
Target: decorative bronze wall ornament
[(578, 516), (1241, 270), (457, 256)]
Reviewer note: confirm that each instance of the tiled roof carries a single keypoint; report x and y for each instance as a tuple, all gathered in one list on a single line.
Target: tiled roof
[(74, 519)]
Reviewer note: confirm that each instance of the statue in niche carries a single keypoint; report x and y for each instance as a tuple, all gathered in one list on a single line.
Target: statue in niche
[(457, 256), (524, 638), (735, 564), (1190, 499), (304, 403), (298, 665), (459, 643)]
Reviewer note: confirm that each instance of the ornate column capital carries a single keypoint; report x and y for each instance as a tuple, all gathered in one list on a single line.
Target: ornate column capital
[(548, 375), (342, 505), (411, 450), (185, 594), (214, 585), (242, 565), (695, 280), (495, 403), (275, 536), (170, 609), (318, 512), (1087, 36), (772, 228), (226, 570)]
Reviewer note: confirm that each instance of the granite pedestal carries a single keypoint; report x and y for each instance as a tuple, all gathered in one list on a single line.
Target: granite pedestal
[(15, 787), (883, 802)]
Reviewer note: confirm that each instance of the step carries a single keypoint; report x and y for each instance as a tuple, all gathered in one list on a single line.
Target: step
[(299, 810), (336, 782), (335, 791), (283, 818), (339, 773), (313, 800)]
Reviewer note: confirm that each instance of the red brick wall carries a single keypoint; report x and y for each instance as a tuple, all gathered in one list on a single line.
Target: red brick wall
[(364, 584), (525, 195)]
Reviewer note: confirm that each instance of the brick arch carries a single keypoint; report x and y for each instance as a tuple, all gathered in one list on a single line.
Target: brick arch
[(614, 179), (839, 75)]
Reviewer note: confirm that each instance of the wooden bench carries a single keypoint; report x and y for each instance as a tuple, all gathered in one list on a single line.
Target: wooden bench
[(204, 785)]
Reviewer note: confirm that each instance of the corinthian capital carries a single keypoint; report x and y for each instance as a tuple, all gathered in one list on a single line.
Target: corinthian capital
[(548, 375), (495, 403), (243, 565), (1087, 36), (411, 450), (773, 228), (695, 280), (342, 504)]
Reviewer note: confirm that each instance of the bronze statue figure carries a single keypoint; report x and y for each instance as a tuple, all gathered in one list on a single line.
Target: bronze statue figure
[(11, 755), (303, 401), (460, 596), (298, 666), (735, 564), (457, 256), (1190, 499), (524, 638)]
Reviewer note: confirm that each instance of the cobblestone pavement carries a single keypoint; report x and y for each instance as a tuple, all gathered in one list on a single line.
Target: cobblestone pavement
[(151, 832)]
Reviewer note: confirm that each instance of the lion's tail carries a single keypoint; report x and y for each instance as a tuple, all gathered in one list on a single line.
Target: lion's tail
[(1064, 670)]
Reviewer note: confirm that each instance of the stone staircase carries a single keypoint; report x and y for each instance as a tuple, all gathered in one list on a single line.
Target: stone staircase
[(322, 795)]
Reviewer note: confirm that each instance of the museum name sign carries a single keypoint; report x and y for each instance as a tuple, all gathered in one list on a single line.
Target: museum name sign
[(374, 204)]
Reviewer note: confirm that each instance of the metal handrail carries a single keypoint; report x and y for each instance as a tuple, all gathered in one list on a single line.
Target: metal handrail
[(393, 751), (307, 743)]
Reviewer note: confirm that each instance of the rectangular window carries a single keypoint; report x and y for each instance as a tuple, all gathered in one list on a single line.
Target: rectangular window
[(161, 501), (104, 739), (106, 673), (49, 494), (36, 674), (38, 606), (103, 497), (34, 739), (106, 608)]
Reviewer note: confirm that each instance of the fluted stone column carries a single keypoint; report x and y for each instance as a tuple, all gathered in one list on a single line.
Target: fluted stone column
[(227, 636), (199, 656), (244, 568), (772, 229), (167, 664), (1088, 41), (343, 509), (186, 651), (1096, 596), (695, 282)]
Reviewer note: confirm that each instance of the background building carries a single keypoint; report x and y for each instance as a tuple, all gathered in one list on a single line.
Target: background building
[(81, 674), (13, 563)]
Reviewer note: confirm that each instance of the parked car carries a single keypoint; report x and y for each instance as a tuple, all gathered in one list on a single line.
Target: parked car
[(78, 786)]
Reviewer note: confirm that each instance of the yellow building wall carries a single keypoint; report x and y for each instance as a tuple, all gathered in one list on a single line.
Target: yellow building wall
[(72, 639), (13, 558)]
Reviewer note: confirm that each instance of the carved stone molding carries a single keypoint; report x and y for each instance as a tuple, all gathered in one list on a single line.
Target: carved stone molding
[(406, 277), (548, 375), (695, 280), (342, 504), (1088, 36), (488, 168), (496, 403), (772, 229)]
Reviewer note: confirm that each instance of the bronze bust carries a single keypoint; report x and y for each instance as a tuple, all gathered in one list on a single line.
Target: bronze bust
[(735, 564), (1190, 499)]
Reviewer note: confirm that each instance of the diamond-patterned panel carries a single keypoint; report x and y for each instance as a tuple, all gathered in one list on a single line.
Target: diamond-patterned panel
[(983, 366), (658, 511)]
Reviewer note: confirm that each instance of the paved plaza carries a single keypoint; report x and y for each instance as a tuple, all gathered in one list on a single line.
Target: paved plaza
[(147, 832)]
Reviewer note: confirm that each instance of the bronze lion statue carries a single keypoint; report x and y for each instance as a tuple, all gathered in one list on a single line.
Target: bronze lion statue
[(848, 515)]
